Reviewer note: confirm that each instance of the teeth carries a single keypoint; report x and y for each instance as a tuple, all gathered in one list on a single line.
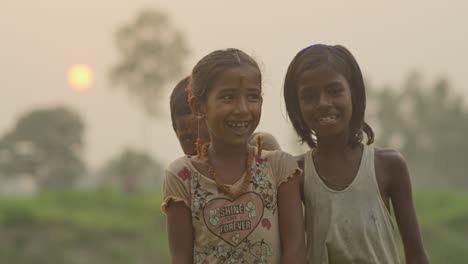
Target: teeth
[(327, 118), (237, 124)]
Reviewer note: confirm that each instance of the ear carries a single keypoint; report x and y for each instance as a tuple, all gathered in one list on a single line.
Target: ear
[(197, 108)]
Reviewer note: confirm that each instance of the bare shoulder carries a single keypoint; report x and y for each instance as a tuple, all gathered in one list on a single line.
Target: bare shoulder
[(300, 161), (393, 165), (390, 159)]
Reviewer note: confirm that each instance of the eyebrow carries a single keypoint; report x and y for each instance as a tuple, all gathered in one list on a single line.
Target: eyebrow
[(306, 89), (227, 90), (310, 87), (333, 83), (233, 90)]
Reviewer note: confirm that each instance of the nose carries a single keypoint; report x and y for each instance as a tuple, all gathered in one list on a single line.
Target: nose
[(242, 105), (323, 100)]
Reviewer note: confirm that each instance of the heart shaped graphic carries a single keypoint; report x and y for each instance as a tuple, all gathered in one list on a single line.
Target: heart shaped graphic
[(233, 221)]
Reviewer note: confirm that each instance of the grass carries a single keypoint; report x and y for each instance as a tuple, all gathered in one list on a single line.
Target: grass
[(108, 227)]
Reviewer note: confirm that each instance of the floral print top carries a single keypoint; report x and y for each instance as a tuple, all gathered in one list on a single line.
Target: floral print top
[(244, 230)]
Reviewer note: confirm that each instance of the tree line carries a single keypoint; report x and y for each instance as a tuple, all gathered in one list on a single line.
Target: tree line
[(427, 122)]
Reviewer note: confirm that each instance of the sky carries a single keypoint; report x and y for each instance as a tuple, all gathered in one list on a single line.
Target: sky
[(41, 40)]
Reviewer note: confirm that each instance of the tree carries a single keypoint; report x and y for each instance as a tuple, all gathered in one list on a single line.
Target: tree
[(46, 144), (132, 170), (152, 53), (428, 124)]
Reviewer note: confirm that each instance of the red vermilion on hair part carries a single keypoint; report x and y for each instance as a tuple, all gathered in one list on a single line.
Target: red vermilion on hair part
[(188, 90)]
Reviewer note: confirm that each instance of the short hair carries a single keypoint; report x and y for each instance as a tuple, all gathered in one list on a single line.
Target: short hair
[(339, 59), (207, 70), (179, 104)]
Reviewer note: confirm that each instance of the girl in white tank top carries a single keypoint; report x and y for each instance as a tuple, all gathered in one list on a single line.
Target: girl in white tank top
[(348, 186)]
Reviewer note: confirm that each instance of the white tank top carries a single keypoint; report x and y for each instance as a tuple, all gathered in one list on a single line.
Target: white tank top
[(348, 226)]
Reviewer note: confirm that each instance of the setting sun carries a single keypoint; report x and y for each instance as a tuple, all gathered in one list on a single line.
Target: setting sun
[(80, 77)]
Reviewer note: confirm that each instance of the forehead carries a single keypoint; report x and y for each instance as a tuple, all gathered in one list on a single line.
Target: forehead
[(244, 74), (320, 77)]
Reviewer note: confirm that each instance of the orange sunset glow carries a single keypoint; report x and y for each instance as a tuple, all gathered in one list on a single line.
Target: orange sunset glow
[(80, 77)]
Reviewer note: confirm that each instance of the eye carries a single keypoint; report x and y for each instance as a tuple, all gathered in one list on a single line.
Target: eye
[(336, 90), (307, 97), (254, 97), (227, 97)]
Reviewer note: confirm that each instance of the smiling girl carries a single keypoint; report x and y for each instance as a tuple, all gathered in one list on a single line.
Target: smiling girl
[(348, 186), (233, 203)]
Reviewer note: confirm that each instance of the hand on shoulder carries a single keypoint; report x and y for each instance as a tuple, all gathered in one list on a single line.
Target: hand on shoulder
[(269, 142)]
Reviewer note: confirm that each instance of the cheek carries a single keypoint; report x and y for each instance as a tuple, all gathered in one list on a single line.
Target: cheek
[(305, 109), (307, 113), (194, 127), (347, 104), (348, 100), (214, 121), (257, 108)]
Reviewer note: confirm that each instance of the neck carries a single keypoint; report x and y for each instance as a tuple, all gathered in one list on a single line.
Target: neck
[(333, 146), (224, 152)]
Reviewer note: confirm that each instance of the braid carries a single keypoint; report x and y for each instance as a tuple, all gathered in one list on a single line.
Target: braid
[(203, 150), (259, 146), (199, 147)]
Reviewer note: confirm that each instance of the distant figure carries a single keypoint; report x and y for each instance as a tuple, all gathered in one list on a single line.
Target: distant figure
[(187, 128), (348, 185)]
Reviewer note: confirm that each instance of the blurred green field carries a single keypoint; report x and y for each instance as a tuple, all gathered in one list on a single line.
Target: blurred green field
[(83, 227), (108, 227)]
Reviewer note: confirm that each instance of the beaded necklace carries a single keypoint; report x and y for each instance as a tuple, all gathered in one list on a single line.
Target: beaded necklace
[(221, 186)]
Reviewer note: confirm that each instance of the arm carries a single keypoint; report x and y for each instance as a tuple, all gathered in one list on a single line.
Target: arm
[(180, 233), (291, 221), (300, 163), (401, 196)]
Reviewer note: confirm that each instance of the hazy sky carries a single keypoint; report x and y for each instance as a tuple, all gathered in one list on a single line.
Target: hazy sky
[(40, 40)]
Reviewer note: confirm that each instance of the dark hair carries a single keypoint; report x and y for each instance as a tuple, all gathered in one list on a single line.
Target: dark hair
[(179, 104), (339, 59), (207, 70)]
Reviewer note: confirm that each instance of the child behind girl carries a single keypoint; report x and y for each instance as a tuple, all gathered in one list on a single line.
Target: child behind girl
[(348, 186), (232, 203), (184, 123)]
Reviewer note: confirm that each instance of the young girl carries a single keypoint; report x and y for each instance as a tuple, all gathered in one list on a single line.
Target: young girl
[(348, 186), (185, 124), (233, 203)]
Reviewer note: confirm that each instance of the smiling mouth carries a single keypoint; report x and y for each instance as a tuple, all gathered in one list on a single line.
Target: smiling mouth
[(237, 124), (327, 119), (239, 127)]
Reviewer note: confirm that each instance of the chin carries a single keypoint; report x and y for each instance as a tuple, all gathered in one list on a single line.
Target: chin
[(238, 142), (190, 151), (330, 134)]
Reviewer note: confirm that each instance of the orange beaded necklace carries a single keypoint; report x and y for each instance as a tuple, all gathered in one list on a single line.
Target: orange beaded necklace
[(221, 186)]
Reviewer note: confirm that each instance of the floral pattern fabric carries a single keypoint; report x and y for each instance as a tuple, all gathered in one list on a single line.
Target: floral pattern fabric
[(243, 230)]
